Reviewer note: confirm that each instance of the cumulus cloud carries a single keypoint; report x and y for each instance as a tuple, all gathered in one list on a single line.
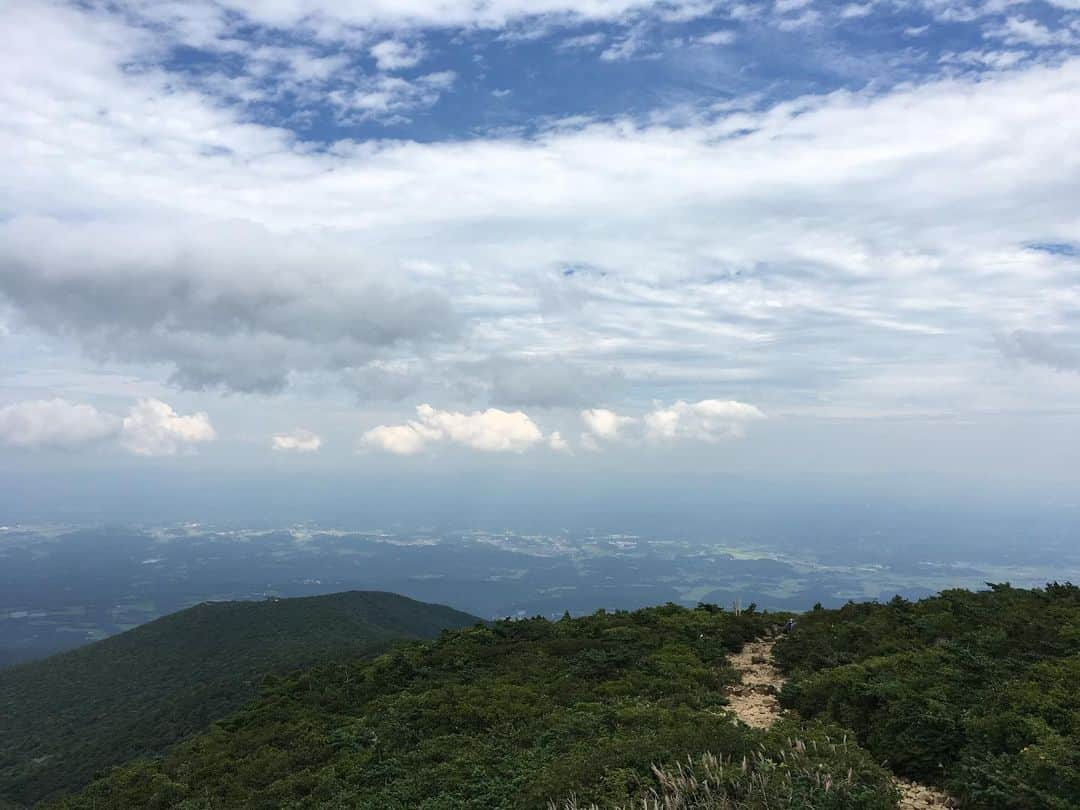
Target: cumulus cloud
[(296, 441), (149, 223), (393, 54), (54, 423), (150, 428), (227, 305), (492, 431), (557, 443), (153, 428), (401, 440), (605, 424), (709, 420)]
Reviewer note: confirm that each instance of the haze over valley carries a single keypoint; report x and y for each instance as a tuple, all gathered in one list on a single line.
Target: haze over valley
[(64, 586)]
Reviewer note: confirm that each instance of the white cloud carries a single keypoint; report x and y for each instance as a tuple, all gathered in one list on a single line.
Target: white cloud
[(153, 428), (295, 65), (331, 16), (787, 254), (853, 11), (718, 38), (176, 295), (583, 41), (686, 10), (628, 46), (296, 441), (557, 443), (997, 60), (401, 440), (1026, 31), (393, 54), (492, 431), (709, 420), (54, 423), (390, 97), (604, 423)]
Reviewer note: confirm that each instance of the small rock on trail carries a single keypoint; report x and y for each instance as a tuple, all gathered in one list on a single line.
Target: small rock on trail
[(914, 796)]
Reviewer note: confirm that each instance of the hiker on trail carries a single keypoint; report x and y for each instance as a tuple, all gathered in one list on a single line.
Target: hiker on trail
[(789, 625)]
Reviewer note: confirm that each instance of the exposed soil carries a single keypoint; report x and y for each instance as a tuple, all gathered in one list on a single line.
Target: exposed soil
[(754, 699), (754, 702), (914, 796)]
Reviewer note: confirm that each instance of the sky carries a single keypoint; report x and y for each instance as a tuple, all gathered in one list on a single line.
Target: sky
[(468, 241)]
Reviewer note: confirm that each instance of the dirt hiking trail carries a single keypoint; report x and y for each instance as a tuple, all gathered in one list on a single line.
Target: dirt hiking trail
[(754, 702)]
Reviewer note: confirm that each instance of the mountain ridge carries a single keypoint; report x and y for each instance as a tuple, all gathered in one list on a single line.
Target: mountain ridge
[(71, 714)]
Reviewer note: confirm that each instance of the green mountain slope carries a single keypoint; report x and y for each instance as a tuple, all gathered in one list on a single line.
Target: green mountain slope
[(976, 692), (65, 718), (513, 715)]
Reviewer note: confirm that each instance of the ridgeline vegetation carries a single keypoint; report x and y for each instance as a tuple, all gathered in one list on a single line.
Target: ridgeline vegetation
[(973, 692), (65, 718), (978, 693), (518, 714)]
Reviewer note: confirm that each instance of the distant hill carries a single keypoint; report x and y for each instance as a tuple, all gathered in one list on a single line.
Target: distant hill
[(67, 717)]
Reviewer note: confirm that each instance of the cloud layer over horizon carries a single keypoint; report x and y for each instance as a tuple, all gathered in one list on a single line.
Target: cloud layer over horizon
[(286, 207)]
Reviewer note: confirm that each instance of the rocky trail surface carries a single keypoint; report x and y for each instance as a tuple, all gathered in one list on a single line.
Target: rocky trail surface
[(754, 699), (754, 702)]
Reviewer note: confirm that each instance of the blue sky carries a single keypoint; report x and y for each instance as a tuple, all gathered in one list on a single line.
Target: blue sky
[(786, 238), (518, 71)]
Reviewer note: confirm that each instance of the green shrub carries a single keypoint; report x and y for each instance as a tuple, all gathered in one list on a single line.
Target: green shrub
[(974, 691), (507, 716), (790, 766)]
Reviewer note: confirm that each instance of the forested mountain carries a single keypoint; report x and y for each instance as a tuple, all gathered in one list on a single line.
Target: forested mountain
[(67, 717), (975, 693), (511, 715)]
